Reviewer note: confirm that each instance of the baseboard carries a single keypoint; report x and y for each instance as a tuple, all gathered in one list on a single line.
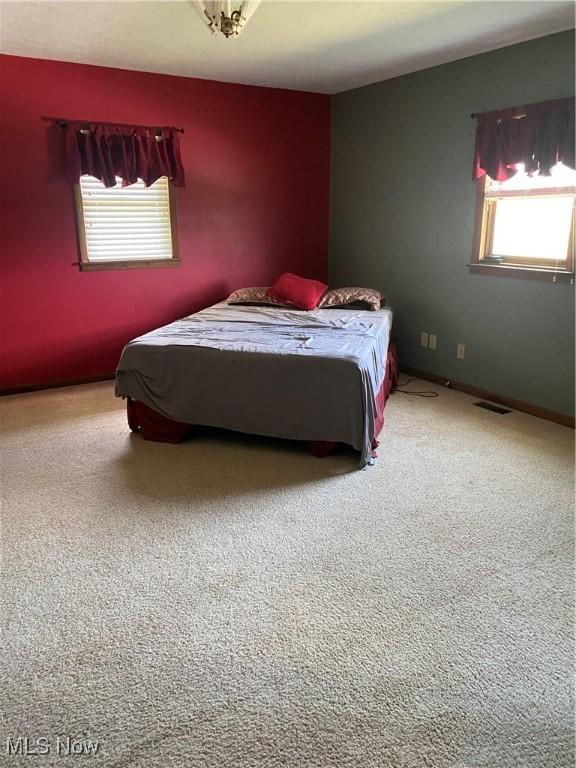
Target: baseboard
[(484, 394), (54, 384)]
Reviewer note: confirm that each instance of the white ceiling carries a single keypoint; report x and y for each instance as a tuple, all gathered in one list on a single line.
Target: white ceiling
[(321, 46)]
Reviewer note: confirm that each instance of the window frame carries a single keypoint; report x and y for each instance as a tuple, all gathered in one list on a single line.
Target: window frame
[(513, 266), (85, 265)]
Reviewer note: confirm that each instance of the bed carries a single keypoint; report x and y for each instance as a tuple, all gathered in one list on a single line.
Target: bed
[(321, 376)]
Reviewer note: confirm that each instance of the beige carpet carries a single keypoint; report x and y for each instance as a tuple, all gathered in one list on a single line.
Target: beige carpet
[(235, 602)]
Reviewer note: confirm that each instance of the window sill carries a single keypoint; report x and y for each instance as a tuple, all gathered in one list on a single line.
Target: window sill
[(97, 266), (531, 273)]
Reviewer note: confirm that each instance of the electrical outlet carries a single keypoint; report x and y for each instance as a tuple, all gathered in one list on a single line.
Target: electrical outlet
[(460, 349), (423, 339), (432, 341)]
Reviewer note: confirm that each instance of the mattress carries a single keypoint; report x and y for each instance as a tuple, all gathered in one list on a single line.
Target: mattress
[(265, 370)]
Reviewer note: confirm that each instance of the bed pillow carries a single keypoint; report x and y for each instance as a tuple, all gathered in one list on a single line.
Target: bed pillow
[(253, 296), (297, 291), (364, 298)]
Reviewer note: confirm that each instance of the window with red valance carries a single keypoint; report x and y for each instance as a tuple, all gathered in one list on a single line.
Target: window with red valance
[(125, 206), (524, 165)]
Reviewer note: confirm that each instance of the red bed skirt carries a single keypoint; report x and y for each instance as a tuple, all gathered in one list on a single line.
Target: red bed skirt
[(153, 426)]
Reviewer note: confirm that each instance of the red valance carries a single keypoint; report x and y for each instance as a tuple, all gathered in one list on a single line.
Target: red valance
[(131, 152), (538, 135)]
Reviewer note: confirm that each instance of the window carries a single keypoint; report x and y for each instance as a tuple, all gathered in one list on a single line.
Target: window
[(526, 224), (123, 227)]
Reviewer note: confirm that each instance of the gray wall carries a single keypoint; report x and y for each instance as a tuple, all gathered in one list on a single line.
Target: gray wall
[(402, 220)]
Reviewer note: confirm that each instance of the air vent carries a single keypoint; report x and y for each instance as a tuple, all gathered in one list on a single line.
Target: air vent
[(491, 407)]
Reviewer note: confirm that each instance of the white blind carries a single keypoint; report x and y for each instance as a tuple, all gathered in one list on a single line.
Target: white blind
[(126, 223)]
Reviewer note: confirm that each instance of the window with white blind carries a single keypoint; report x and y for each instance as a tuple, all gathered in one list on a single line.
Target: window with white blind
[(122, 227), (527, 224)]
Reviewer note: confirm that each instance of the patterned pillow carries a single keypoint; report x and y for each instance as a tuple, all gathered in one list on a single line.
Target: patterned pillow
[(253, 296), (363, 298)]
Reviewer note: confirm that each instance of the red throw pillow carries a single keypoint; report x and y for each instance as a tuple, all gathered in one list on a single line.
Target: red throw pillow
[(297, 291)]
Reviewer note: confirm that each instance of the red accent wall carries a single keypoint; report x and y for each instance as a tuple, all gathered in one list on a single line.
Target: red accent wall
[(257, 163)]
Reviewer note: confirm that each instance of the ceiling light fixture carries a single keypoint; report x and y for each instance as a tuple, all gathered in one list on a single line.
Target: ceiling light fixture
[(226, 16)]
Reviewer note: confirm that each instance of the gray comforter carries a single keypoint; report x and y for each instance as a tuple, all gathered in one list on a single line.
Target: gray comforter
[(264, 370)]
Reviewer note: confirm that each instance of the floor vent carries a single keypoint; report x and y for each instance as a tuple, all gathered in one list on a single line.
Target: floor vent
[(490, 407)]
